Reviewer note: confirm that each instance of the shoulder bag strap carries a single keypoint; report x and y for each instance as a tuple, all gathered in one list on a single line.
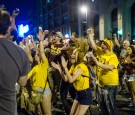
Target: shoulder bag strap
[(11, 57)]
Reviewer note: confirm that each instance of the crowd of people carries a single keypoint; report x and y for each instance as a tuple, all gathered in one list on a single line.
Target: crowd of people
[(51, 66)]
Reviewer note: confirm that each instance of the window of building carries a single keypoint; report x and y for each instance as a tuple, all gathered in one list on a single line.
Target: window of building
[(50, 6), (114, 20), (96, 26), (97, 8), (115, 1), (64, 8), (65, 19), (44, 2), (41, 19), (48, 1), (45, 18), (45, 10), (133, 22), (51, 15), (114, 15), (109, 2), (40, 4), (63, 0), (56, 3), (57, 12), (46, 27), (51, 25), (57, 22), (96, 20)]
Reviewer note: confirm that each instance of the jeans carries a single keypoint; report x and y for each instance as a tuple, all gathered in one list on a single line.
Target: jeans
[(107, 98), (54, 80)]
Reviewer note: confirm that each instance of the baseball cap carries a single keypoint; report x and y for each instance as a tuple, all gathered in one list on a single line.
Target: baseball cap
[(109, 44), (59, 34)]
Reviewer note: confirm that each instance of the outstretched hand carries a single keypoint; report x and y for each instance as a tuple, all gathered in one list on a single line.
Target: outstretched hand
[(115, 35), (15, 12), (41, 34), (89, 31), (64, 62), (56, 66)]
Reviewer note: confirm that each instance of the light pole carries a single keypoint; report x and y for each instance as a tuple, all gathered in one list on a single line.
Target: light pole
[(84, 9)]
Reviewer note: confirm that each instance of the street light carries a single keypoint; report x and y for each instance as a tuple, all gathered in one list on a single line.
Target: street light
[(84, 9)]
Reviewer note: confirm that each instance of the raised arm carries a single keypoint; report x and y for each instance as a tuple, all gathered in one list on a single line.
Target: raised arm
[(12, 18), (33, 43), (41, 36), (116, 40), (70, 78), (28, 51), (91, 38), (58, 67)]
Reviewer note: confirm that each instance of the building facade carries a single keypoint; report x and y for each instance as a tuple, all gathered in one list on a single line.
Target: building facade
[(58, 15), (112, 16), (104, 16)]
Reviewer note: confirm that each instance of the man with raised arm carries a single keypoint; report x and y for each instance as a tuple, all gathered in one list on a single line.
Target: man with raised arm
[(107, 74)]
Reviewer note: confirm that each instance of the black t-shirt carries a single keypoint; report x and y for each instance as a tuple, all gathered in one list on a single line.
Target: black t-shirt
[(10, 74), (56, 53)]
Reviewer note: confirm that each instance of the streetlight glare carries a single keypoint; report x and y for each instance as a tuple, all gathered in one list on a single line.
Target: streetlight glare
[(84, 9)]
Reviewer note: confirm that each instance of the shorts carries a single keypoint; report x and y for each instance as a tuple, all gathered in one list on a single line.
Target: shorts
[(47, 91), (84, 97)]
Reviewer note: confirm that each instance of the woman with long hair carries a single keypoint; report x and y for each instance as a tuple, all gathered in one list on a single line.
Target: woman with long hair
[(38, 76), (129, 72), (80, 77)]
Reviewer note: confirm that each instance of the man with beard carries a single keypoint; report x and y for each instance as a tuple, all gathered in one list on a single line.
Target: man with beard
[(107, 74)]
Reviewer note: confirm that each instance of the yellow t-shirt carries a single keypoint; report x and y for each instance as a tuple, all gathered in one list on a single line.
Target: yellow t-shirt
[(38, 75), (107, 77), (82, 82)]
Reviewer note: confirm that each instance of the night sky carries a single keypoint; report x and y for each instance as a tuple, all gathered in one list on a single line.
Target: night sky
[(23, 5)]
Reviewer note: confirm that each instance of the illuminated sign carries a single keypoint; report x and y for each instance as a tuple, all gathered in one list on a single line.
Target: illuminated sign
[(22, 30)]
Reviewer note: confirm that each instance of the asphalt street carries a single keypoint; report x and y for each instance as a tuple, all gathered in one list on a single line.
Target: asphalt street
[(121, 103)]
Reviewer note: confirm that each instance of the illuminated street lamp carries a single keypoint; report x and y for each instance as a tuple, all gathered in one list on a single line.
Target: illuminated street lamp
[(84, 10)]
